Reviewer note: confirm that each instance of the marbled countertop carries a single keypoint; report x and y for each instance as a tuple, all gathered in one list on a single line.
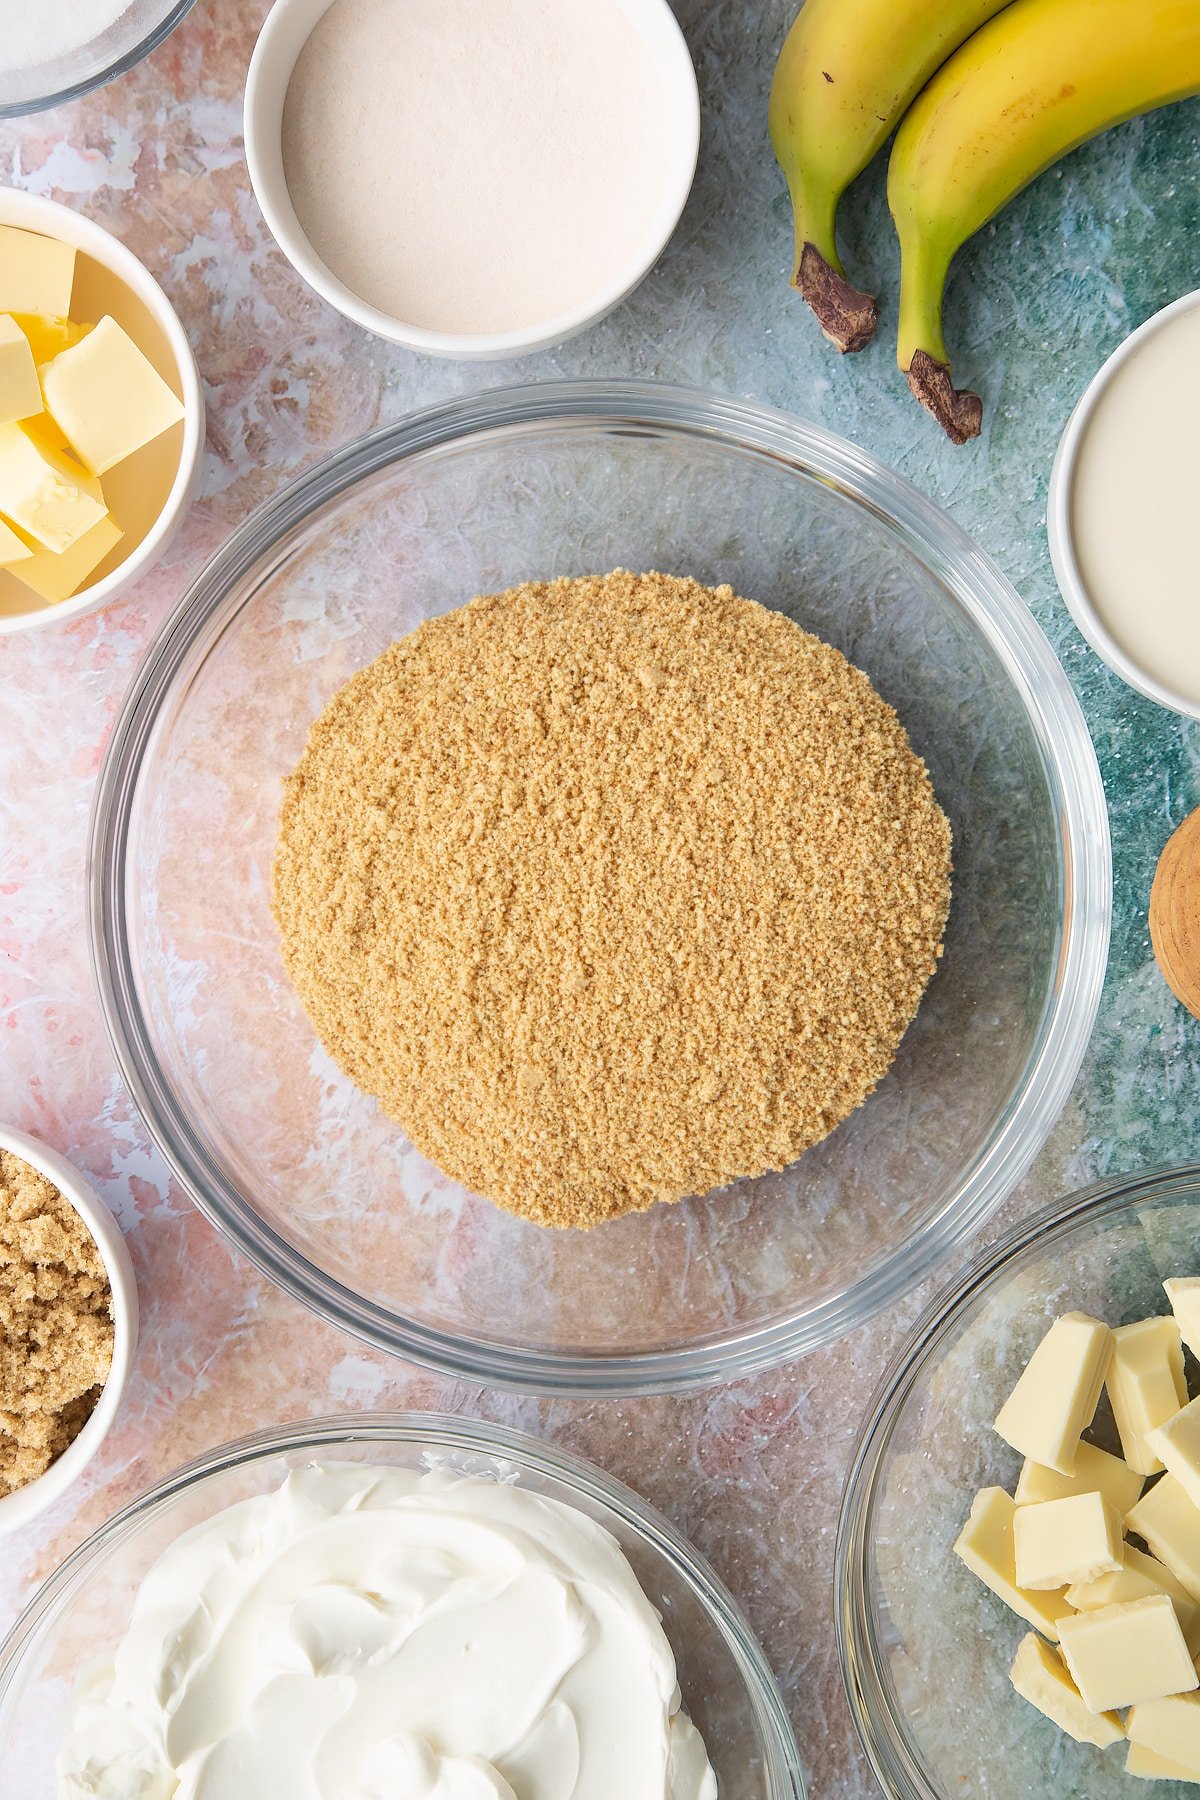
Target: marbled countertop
[(753, 1472)]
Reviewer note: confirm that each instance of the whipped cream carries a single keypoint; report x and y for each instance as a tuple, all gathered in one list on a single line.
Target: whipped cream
[(386, 1634)]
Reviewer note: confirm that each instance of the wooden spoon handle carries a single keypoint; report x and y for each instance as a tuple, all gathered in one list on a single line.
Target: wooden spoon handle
[(1175, 913)]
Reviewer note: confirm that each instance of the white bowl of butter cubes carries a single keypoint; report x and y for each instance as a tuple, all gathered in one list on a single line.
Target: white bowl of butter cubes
[(101, 415), (1019, 1550)]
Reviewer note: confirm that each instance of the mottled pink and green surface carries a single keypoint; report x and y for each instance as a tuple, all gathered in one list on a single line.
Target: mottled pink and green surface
[(752, 1473)]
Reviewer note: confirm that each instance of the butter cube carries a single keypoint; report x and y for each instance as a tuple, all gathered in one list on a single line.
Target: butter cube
[(1095, 1472), (1170, 1524), (108, 398), (1152, 1767), (36, 273), (47, 337), (1124, 1655), (1139, 1578), (1039, 1677), (1170, 1727), (1184, 1294), (985, 1544), (43, 491), (57, 577), (1055, 1400), (12, 548), (20, 394), (1177, 1445), (1061, 1541), (1146, 1385)]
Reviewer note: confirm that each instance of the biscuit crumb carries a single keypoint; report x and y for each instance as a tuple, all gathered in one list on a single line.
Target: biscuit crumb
[(611, 890), (56, 1323)]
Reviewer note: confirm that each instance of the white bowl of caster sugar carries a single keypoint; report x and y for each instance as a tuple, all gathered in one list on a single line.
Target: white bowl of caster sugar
[(472, 178), (1122, 509)]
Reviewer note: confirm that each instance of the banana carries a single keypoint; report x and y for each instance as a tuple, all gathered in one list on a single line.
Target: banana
[(846, 74), (1042, 77)]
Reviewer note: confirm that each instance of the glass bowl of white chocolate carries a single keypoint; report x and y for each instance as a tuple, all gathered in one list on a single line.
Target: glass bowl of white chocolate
[(405, 1603), (1018, 1567)]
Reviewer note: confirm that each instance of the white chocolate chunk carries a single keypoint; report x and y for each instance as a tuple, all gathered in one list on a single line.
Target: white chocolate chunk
[(108, 398), (1039, 1676), (985, 1544), (1184, 1294), (1140, 1577), (1055, 1399), (1170, 1524), (1125, 1655), (1146, 1385), (1170, 1727), (1152, 1767), (1063, 1541), (1177, 1445), (1095, 1472)]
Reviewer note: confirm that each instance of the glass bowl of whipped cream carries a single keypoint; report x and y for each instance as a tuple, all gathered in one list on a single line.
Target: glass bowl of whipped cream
[(364, 1606)]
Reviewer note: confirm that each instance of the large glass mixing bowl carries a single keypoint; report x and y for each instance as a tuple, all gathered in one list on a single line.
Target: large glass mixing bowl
[(84, 1608), (304, 1173)]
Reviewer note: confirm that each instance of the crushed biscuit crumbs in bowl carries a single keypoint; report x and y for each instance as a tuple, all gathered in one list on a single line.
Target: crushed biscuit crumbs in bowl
[(21, 1504), (925, 1648), (726, 1685), (305, 1173)]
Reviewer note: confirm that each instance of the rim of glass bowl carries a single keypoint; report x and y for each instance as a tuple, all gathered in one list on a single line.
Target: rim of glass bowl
[(881, 1730), (20, 109), (1072, 775), (444, 1431)]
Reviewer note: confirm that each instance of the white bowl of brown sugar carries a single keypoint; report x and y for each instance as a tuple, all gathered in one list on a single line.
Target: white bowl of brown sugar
[(68, 1326)]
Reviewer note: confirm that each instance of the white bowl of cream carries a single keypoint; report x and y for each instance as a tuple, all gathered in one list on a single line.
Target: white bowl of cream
[(1122, 514), (472, 178), (369, 1631)]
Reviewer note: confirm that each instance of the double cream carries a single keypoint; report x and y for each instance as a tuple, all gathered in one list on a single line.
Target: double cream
[(384, 1634)]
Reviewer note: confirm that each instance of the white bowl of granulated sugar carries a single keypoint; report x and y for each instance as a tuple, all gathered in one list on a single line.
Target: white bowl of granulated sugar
[(472, 178)]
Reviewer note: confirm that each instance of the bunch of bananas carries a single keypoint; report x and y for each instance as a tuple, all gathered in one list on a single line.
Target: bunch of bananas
[(986, 94)]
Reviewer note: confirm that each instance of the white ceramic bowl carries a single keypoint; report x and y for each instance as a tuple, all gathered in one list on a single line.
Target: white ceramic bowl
[(151, 491), (287, 29), (38, 1496), (1060, 528)]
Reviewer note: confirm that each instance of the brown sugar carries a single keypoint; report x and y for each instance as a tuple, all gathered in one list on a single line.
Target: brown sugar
[(56, 1323), (611, 890)]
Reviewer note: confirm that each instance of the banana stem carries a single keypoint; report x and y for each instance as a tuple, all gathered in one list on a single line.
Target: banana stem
[(846, 315), (924, 266), (921, 347), (814, 217)]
